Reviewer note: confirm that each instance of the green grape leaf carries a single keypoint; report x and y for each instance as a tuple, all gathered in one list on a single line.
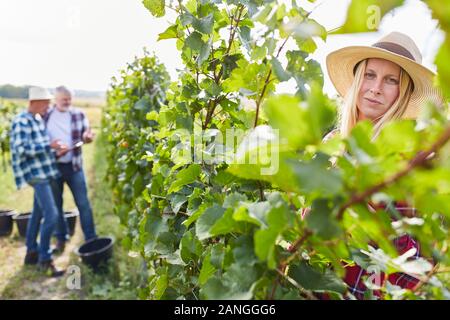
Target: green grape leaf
[(184, 177), (170, 33), (207, 220), (156, 7), (225, 224), (194, 41), (314, 280), (177, 201), (205, 24), (321, 220), (316, 176), (278, 70), (365, 15), (232, 285), (206, 271), (278, 218), (205, 51), (190, 247)]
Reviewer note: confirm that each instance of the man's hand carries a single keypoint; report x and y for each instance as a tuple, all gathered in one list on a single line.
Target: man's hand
[(55, 144), (63, 149), (88, 136)]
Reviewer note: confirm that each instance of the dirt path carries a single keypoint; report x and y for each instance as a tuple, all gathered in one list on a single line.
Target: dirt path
[(25, 282), (119, 282)]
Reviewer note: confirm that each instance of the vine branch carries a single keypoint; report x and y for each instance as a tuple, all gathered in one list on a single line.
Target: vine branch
[(266, 83), (232, 36), (420, 159), (212, 106)]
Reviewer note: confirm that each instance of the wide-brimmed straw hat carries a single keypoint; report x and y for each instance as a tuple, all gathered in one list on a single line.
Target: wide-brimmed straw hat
[(396, 47)]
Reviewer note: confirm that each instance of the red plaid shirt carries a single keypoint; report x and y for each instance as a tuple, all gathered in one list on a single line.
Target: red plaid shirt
[(355, 275), (79, 124)]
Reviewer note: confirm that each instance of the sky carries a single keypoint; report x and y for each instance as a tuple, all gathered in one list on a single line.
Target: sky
[(82, 44)]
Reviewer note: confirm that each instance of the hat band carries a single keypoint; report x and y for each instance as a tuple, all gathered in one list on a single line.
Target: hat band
[(395, 48)]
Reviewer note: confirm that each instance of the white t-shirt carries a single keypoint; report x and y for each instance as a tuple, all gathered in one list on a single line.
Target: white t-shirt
[(59, 126)]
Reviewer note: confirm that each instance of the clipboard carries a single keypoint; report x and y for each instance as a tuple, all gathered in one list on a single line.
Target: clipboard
[(76, 145)]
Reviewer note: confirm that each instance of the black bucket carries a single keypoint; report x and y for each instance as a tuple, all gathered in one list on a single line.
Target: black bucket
[(71, 218), (96, 252), (22, 222), (6, 222)]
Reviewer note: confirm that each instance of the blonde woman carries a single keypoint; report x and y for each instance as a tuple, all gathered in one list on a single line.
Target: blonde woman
[(383, 82), (380, 83)]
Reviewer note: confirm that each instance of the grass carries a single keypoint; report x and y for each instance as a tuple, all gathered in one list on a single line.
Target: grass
[(122, 277), (22, 200)]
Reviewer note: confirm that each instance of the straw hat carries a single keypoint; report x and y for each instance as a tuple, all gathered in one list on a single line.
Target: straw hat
[(396, 47), (39, 93)]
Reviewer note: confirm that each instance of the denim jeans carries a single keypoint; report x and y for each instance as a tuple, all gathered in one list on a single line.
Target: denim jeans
[(77, 184), (44, 206)]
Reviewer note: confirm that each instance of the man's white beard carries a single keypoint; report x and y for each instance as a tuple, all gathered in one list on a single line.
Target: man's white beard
[(63, 109)]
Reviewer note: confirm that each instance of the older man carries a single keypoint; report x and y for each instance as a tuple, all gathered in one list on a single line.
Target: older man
[(33, 161), (70, 126)]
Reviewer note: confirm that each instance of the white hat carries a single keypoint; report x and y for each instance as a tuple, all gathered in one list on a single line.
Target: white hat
[(39, 93)]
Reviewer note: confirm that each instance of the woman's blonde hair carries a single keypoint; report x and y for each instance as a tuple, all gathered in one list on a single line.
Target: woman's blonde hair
[(348, 115)]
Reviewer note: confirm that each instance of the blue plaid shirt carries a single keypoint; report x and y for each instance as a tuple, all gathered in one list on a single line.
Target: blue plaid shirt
[(32, 157)]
